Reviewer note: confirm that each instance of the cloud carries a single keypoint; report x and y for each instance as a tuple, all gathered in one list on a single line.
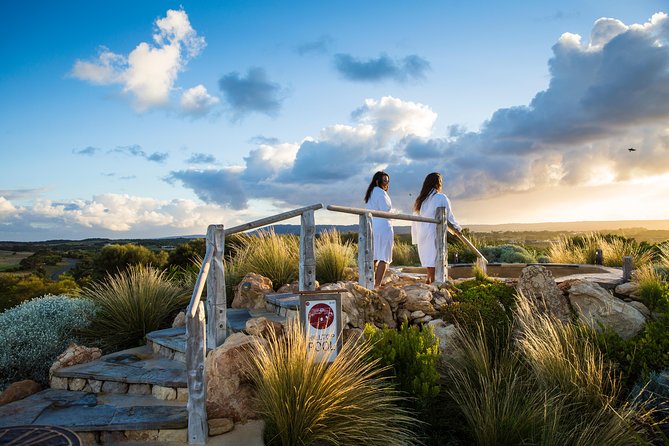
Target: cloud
[(220, 186), (148, 73), (253, 93), (320, 46), (201, 158), (110, 215), (136, 150), (411, 67), (89, 151), (197, 102), (21, 194)]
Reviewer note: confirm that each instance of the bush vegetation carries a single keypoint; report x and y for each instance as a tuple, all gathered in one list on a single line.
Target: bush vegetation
[(306, 402), (583, 249), (131, 304), (410, 355), (508, 254), (17, 288), (34, 333)]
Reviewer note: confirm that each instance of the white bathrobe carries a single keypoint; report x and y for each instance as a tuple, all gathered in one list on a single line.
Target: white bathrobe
[(425, 234), (381, 227)]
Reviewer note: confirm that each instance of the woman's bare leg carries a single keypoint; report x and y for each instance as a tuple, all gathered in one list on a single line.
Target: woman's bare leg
[(430, 274), (380, 272)]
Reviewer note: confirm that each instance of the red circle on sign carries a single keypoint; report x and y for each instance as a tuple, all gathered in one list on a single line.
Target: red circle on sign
[(321, 316)]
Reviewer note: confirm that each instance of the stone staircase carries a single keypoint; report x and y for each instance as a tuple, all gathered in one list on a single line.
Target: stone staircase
[(133, 396)]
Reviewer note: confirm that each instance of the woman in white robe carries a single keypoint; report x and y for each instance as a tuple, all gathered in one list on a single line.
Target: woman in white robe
[(425, 234), (377, 199)]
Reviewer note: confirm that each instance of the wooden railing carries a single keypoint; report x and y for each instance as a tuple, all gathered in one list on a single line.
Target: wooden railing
[(210, 332), (366, 249)]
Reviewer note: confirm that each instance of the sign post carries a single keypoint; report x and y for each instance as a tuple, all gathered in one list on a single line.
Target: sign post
[(320, 314)]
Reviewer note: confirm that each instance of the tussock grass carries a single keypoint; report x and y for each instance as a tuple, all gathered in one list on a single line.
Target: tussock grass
[(652, 290), (583, 250), (268, 254), (542, 382), (304, 402), (131, 304), (333, 256), (405, 254)]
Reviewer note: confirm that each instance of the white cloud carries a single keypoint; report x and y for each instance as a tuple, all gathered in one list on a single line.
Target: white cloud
[(6, 208), (149, 72), (197, 101)]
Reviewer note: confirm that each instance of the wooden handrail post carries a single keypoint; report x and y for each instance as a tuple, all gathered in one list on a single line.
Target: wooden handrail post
[(216, 299), (307, 252), (366, 252), (196, 377), (441, 265), (627, 268)]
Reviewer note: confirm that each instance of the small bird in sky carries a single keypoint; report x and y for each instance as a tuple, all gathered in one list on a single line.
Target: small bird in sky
[(632, 149)]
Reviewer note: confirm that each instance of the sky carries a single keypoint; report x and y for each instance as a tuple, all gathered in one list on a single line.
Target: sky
[(147, 119)]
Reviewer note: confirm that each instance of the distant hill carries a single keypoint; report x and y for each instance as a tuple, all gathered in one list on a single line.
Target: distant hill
[(575, 226)]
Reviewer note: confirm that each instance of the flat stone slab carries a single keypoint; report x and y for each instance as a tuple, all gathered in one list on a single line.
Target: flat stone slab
[(135, 366), (81, 411), (172, 338), (284, 300)]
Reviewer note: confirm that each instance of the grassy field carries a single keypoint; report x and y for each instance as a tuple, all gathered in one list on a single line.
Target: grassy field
[(11, 259)]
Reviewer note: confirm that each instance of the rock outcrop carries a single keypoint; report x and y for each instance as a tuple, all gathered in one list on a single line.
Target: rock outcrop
[(537, 283), (251, 292)]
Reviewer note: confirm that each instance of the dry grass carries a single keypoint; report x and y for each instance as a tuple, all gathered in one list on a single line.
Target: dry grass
[(332, 257), (567, 250), (305, 402)]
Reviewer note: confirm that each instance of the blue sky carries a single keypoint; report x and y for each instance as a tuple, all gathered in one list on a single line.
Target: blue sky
[(147, 119)]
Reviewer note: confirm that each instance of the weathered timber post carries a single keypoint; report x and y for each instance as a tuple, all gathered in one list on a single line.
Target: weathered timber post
[(307, 252), (366, 252), (196, 377), (627, 268), (441, 265), (216, 303)]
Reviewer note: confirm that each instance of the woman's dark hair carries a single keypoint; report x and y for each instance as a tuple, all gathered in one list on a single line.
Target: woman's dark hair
[(431, 183), (376, 181)]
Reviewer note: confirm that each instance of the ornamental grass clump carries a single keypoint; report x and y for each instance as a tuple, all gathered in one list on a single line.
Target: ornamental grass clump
[(306, 402), (131, 304), (268, 254), (332, 257), (33, 334), (583, 250), (405, 254)]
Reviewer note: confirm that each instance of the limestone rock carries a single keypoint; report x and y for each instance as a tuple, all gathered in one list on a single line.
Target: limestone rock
[(179, 320), (422, 320), (293, 287), (77, 383), (218, 426), (537, 283), (446, 333), (348, 333), (19, 390), (251, 292), (403, 315), (75, 354), (261, 327), (373, 308), (419, 298), (394, 296), (417, 314), (628, 289), (116, 387), (230, 393), (641, 307), (594, 304)]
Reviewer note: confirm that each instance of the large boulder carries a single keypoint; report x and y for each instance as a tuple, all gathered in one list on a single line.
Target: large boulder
[(596, 305), (394, 296), (230, 392), (262, 327), (445, 333), (19, 390), (251, 292), (537, 283)]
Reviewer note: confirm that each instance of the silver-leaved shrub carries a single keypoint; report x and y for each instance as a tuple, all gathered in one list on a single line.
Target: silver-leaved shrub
[(33, 334)]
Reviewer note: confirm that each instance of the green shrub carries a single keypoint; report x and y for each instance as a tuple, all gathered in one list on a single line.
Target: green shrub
[(653, 292), (641, 355), (405, 254), (33, 334), (131, 304), (507, 254), (332, 257), (411, 355), (115, 258), (306, 402), (481, 301)]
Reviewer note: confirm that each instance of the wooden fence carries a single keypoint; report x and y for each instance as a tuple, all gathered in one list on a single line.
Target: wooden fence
[(209, 332)]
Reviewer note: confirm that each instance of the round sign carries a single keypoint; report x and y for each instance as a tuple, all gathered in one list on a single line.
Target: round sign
[(320, 316)]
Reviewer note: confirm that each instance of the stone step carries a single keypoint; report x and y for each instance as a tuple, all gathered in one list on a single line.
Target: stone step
[(136, 371), (169, 343), (101, 418), (283, 304)]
